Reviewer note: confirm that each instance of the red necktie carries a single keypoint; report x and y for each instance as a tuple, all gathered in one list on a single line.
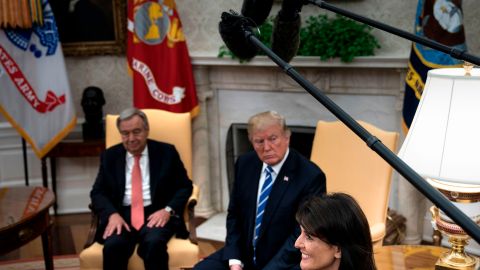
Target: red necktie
[(137, 195)]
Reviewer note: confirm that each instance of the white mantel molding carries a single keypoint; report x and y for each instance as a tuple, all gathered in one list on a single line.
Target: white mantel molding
[(308, 62)]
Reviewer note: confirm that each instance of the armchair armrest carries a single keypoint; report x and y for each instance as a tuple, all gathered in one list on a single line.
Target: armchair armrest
[(93, 228), (189, 218), (190, 214)]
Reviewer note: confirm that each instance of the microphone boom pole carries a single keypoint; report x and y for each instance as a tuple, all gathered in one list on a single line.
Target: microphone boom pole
[(374, 143), (454, 52)]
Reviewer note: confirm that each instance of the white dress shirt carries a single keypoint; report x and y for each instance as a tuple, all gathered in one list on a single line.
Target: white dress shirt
[(276, 169)]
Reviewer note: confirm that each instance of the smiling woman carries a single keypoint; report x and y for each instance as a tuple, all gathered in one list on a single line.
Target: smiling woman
[(335, 234)]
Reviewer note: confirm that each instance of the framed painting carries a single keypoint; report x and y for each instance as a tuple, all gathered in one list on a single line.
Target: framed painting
[(91, 27)]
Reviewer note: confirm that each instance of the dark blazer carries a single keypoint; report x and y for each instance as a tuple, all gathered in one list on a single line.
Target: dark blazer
[(298, 179), (169, 183)]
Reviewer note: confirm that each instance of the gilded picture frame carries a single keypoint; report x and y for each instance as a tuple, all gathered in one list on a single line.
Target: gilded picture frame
[(91, 27)]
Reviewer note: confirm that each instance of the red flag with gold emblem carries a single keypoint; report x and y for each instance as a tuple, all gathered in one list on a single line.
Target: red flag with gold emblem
[(158, 58)]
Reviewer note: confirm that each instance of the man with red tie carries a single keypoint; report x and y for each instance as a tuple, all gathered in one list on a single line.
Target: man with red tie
[(139, 195)]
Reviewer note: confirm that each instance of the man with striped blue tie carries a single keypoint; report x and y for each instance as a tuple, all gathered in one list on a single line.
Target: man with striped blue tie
[(270, 183)]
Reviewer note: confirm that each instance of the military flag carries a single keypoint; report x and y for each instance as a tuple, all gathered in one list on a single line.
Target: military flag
[(158, 58), (441, 21), (34, 89)]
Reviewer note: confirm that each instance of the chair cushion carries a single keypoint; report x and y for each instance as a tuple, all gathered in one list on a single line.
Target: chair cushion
[(182, 253)]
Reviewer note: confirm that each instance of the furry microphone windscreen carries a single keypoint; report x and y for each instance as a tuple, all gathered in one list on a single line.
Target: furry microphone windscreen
[(232, 30), (257, 10), (286, 37)]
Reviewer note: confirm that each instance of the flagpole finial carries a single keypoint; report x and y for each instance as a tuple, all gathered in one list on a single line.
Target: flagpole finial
[(20, 14), (467, 66)]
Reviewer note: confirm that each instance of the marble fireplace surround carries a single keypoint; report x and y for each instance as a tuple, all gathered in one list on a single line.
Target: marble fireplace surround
[(369, 89)]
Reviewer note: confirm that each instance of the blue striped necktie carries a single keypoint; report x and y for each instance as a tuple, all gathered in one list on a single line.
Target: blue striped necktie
[(262, 202)]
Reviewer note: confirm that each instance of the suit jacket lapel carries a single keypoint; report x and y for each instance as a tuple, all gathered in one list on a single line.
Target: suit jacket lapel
[(154, 166), (251, 197), (279, 189), (120, 165)]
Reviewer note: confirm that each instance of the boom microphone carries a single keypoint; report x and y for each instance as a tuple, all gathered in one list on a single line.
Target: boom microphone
[(257, 10), (232, 29), (286, 30)]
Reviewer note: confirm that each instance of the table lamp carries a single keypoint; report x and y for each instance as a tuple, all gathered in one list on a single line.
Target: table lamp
[(443, 146)]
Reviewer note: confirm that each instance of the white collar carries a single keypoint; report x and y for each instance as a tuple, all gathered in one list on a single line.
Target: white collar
[(143, 154), (276, 168)]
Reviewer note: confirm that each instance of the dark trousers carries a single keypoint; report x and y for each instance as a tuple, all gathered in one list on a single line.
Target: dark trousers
[(213, 262), (152, 247), (216, 262)]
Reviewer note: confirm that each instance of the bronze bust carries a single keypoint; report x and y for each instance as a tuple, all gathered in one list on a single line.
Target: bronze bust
[(92, 103)]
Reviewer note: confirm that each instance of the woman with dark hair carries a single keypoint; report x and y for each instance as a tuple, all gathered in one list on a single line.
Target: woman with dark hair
[(335, 234)]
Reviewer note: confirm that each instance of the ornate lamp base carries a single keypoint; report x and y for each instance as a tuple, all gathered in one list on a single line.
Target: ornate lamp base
[(452, 260), (443, 266), (455, 258)]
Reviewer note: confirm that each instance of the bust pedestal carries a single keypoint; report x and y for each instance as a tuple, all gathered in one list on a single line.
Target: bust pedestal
[(93, 131)]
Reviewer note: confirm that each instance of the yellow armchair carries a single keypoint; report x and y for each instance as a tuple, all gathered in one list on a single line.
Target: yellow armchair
[(352, 167), (173, 128)]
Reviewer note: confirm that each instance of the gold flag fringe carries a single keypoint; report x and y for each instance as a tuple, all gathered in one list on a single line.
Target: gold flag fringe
[(20, 13)]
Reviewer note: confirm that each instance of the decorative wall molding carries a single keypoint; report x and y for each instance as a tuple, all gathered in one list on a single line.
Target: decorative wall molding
[(382, 62)]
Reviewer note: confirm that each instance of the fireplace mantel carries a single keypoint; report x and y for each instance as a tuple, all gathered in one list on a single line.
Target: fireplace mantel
[(384, 62)]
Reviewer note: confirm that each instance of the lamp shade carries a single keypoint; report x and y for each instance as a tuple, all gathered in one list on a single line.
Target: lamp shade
[(443, 142)]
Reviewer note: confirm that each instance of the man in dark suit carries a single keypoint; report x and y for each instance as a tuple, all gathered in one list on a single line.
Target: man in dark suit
[(155, 170), (270, 184)]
